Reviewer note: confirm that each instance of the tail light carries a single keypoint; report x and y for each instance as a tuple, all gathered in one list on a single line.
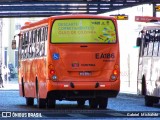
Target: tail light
[(115, 73), (52, 72)]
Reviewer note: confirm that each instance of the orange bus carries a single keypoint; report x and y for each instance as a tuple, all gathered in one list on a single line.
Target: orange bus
[(70, 57)]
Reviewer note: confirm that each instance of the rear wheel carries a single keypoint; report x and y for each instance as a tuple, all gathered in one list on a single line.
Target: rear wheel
[(93, 103), (149, 101), (143, 85), (51, 103), (41, 102), (81, 103), (103, 102), (29, 101)]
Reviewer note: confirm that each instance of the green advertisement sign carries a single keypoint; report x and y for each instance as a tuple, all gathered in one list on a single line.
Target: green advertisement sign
[(83, 31)]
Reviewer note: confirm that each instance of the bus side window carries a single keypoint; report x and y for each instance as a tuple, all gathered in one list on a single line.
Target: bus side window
[(24, 45), (38, 40), (30, 45), (20, 46), (42, 42), (156, 42), (146, 44), (34, 42), (150, 44), (27, 44), (45, 39), (46, 33)]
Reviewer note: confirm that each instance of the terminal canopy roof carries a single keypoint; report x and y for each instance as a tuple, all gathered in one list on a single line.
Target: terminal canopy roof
[(45, 8)]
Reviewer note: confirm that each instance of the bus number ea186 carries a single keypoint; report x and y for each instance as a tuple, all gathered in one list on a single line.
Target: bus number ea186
[(104, 55)]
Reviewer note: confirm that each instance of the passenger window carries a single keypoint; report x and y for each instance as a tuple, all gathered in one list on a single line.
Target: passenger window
[(156, 43), (20, 46), (24, 45), (34, 43), (30, 44), (38, 42), (146, 44), (151, 41), (27, 44), (42, 44)]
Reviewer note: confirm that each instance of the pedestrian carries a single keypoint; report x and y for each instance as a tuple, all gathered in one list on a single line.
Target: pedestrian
[(8, 74), (1, 80), (4, 73)]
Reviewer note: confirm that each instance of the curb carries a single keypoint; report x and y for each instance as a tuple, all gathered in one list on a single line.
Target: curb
[(131, 95)]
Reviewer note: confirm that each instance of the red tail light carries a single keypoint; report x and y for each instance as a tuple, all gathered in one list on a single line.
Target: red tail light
[(52, 72)]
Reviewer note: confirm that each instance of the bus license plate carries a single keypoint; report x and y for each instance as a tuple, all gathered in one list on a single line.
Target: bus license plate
[(85, 73)]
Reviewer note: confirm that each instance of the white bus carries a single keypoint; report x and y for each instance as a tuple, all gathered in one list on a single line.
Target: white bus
[(149, 64)]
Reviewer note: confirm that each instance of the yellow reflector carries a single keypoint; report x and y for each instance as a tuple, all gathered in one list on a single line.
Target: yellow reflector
[(116, 66), (50, 66)]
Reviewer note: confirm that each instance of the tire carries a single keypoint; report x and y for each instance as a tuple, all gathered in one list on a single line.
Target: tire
[(51, 103), (143, 85), (29, 101), (23, 93), (81, 103), (156, 100), (103, 102), (41, 103), (149, 101), (93, 103)]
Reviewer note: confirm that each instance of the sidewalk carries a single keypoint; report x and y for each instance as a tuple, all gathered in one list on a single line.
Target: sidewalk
[(10, 85)]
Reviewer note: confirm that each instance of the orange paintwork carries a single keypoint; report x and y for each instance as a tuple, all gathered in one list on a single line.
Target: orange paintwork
[(39, 68)]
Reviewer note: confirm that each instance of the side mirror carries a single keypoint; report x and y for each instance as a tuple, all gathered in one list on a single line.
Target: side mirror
[(139, 40), (13, 44)]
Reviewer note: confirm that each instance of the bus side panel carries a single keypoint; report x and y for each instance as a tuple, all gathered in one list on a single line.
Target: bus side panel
[(155, 77), (20, 79), (139, 78), (151, 73), (28, 79), (146, 71), (40, 65), (34, 70)]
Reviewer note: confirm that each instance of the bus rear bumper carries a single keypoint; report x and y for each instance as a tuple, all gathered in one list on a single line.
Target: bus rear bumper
[(60, 90), (81, 85), (81, 94)]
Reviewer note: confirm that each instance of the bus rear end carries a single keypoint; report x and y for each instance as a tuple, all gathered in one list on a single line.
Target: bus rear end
[(83, 60)]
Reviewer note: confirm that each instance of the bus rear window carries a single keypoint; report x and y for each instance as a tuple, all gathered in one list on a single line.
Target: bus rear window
[(83, 31)]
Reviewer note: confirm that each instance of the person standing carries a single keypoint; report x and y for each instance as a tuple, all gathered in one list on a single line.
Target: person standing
[(4, 73), (1, 80)]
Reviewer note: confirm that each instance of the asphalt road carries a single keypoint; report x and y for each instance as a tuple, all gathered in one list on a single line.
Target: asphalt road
[(123, 107)]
